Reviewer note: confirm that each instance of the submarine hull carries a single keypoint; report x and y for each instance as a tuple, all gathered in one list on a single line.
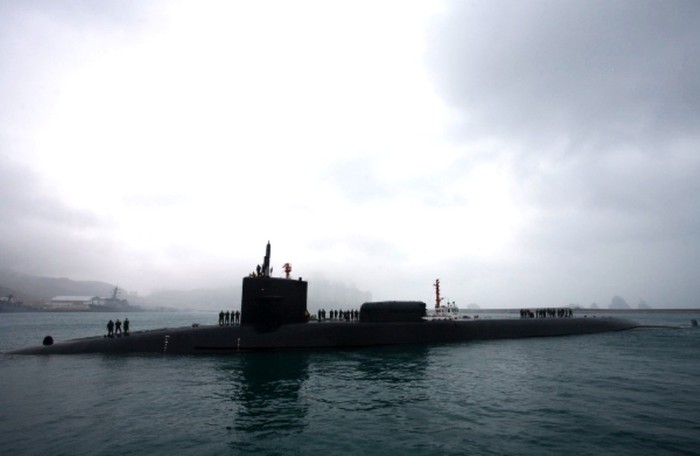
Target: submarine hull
[(327, 335)]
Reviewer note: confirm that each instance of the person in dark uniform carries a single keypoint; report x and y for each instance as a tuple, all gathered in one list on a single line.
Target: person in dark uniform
[(110, 328), (118, 327), (221, 318), (227, 317), (238, 317), (126, 326)]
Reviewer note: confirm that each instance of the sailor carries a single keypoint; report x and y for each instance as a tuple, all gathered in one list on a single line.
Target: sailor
[(118, 328), (221, 318), (238, 317), (110, 328), (126, 326), (227, 318)]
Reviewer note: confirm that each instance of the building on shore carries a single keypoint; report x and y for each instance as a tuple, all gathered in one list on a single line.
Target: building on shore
[(72, 303), (89, 303)]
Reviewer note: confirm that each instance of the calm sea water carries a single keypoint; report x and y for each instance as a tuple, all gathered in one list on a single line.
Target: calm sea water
[(626, 393)]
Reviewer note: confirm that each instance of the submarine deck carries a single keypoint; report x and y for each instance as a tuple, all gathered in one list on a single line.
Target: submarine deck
[(328, 335)]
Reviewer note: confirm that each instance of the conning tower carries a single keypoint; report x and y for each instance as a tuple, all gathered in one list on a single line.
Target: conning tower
[(271, 301)]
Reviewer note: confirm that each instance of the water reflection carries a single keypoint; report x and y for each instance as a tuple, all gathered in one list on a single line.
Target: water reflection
[(393, 364), (369, 380), (266, 392), (276, 395)]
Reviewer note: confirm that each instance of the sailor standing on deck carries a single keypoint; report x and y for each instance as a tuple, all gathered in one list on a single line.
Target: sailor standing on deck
[(110, 328), (118, 327)]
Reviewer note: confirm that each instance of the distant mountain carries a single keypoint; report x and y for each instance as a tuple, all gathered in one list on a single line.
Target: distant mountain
[(34, 290), (4, 291), (643, 305), (18, 296), (618, 303), (322, 294), (205, 299), (334, 295)]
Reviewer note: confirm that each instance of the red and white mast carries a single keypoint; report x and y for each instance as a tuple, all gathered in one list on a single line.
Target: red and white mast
[(437, 293)]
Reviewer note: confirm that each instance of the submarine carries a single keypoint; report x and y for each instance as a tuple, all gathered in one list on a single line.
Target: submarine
[(274, 316)]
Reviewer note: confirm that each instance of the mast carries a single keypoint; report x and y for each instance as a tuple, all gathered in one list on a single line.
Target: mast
[(266, 261), (437, 293)]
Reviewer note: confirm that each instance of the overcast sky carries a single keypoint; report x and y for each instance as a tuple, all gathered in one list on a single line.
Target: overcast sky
[(527, 153)]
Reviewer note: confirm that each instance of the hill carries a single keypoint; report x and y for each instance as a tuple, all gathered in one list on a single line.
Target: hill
[(618, 303), (34, 290), (322, 294)]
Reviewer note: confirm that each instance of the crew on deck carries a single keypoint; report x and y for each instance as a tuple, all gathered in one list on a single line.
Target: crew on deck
[(229, 318), (347, 315), (561, 312), (115, 329)]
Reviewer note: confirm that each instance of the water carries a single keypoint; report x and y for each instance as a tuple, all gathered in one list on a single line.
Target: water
[(632, 392)]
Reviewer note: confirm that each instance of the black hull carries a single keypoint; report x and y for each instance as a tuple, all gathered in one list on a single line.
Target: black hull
[(328, 335)]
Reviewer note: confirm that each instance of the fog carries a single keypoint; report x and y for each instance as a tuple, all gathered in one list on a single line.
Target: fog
[(525, 153)]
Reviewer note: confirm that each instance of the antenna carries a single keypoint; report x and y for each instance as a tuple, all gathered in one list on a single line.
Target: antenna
[(437, 293), (266, 261)]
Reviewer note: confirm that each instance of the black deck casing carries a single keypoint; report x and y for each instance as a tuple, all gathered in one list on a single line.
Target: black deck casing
[(392, 311)]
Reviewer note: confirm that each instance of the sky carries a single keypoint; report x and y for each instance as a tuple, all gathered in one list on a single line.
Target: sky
[(527, 153)]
